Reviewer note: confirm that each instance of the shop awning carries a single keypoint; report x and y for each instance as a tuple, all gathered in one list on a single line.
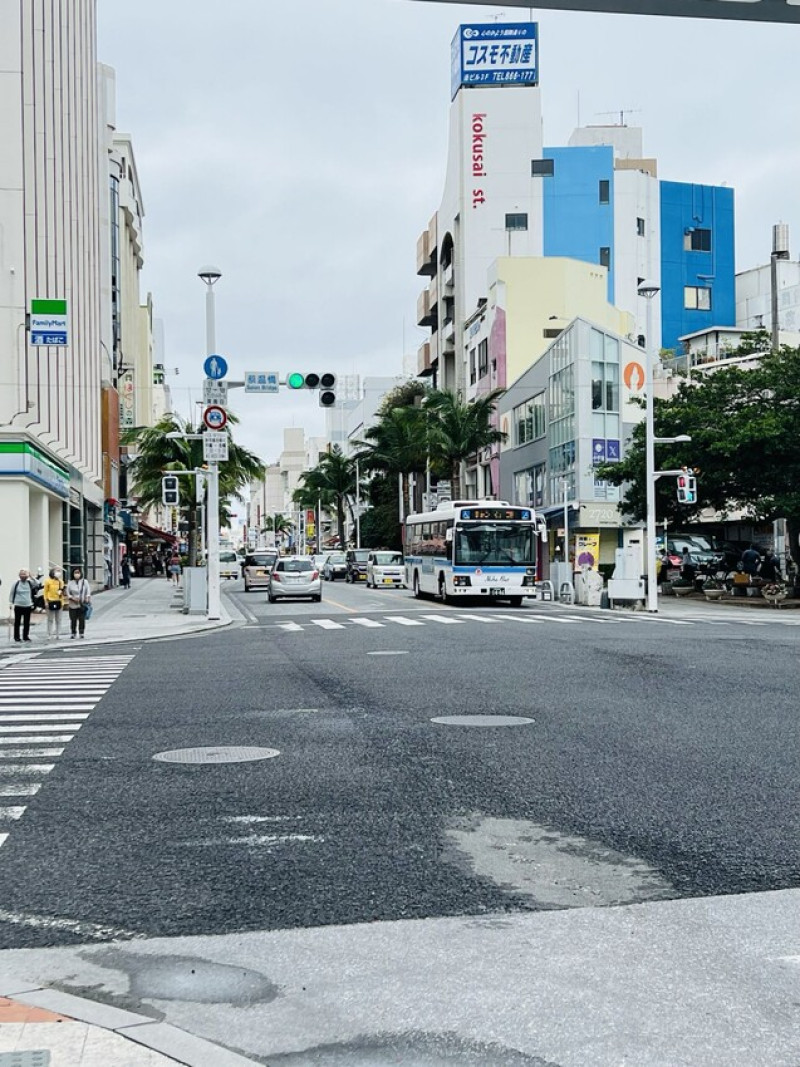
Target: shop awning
[(152, 533)]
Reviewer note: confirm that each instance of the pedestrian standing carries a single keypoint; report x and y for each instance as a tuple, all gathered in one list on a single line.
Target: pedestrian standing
[(125, 571), (770, 569), (750, 560), (175, 569), (79, 596), (54, 602), (21, 600)]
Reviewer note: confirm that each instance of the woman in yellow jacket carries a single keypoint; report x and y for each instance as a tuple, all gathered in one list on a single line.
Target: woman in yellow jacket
[(54, 599)]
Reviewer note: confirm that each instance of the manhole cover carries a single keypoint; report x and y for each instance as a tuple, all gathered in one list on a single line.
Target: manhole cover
[(215, 755), (482, 720)]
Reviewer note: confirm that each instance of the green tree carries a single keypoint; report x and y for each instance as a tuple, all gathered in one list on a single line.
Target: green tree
[(745, 430), (156, 454), (459, 429), (333, 482)]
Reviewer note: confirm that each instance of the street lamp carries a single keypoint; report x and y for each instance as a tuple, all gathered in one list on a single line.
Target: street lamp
[(649, 289)]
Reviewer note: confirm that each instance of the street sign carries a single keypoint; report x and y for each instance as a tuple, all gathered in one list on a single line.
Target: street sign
[(261, 381), (48, 322), (215, 447), (215, 367), (215, 417), (215, 392)]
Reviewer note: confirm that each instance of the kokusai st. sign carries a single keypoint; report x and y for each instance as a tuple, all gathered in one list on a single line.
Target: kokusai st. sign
[(742, 10)]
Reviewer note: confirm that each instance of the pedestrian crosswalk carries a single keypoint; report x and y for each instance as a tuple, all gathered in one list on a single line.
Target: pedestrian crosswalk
[(504, 620), (43, 704)]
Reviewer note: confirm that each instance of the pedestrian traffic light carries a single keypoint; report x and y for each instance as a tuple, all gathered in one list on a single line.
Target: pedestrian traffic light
[(687, 488), (170, 493), (326, 383)]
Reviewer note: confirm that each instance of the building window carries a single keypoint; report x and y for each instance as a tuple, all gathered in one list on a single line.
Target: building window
[(542, 168), (472, 367), (529, 486), (640, 227), (697, 298), (604, 190), (697, 240), (530, 421), (483, 359), (605, 386), (605, 256), (517, 221)]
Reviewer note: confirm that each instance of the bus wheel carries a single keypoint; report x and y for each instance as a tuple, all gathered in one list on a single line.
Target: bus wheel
[(515, 601), (417, 593)]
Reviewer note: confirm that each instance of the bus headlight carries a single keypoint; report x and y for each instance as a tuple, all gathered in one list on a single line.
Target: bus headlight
[(462, 579)]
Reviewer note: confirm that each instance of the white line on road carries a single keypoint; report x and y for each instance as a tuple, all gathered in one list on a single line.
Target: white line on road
[(446, 619), (290, 627), (75, 926), (3, 838), (401, 620), (22, 789), (45, 718), (551, 618), (16, 753), (40, 727), (481, 618), (25, 740), (13, 812), (26, 768), (327, 624), (370, 623)]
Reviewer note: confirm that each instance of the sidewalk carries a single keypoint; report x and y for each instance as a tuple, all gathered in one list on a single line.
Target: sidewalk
[(150, 609), (55, 1029)]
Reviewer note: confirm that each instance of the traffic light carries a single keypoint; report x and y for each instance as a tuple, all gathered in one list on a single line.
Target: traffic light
[(325, 383), (170, 493), (687, 488)]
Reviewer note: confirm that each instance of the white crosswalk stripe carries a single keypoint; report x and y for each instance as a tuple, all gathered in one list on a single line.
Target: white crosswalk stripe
[(447, 620), (402, 620), (327, 624), (43, 704), (371, 624)]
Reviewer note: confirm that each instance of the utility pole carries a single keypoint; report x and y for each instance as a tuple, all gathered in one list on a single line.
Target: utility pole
[(210, 276)]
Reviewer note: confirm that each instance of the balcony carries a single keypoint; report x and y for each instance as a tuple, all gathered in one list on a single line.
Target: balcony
[(448, 277), (426, 316), (424, 364), (434, 291), (449, 330)]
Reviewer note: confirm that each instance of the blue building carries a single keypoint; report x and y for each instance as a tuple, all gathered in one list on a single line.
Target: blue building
[(603, 203)]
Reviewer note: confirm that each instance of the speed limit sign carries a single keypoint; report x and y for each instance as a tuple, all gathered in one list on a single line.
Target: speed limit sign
[(215, 417)]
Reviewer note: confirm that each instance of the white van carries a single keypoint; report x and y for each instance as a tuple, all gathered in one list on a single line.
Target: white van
[(229, 564)]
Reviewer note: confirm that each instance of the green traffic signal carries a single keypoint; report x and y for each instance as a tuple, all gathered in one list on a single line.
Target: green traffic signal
[(296, 381)]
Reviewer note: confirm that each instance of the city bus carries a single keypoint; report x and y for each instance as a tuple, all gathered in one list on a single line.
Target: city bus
[(473, 549)]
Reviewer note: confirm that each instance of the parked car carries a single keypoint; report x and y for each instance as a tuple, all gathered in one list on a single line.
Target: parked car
[(385, 568), (294, 576), (256, 569), (335, 566), (229, 566), (356, 570)]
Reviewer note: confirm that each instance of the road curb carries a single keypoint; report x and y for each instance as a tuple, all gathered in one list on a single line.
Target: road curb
[(169, 1040), (13, 650)]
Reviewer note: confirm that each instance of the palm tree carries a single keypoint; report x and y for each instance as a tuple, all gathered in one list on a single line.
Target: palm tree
[(458, 430), (397, 445), (332, 482), (156, 454)]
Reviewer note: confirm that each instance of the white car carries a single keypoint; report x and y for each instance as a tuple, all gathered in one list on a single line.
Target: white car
[(229, 564), (385, 568)]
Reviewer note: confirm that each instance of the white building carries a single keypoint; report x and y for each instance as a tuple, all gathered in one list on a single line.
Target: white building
[(52, 172)]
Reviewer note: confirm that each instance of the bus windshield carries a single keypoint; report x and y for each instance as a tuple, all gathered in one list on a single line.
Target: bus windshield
[(494, 544)]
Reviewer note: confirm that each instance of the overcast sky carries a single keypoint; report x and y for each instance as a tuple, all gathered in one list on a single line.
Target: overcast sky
[(300, 147)]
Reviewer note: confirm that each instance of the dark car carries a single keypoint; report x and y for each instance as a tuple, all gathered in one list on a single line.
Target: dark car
[(357, 565)]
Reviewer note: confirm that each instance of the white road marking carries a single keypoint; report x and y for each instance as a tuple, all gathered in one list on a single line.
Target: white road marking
[(14, 812), (290, 627), (327, 624), (75, 926), (401, 620), (388, 653), (40, 727), (26, 768), (370, 623), (15, 753), (3, 838), (445, 619), (481, 618), (44, 718), (21, 789), (550, 618), (51, 705), (34, 740)]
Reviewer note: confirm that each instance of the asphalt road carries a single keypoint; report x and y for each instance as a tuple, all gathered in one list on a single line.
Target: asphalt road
[(660, 763)]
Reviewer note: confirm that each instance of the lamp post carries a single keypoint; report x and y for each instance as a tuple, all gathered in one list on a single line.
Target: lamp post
[(649, 289), (210, 276)]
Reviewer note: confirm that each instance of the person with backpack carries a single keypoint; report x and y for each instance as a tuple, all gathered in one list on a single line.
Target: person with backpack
[(21, 600), (79, 597)]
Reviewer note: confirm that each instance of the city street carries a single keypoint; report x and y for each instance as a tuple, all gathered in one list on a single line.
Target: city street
[(627, 760)]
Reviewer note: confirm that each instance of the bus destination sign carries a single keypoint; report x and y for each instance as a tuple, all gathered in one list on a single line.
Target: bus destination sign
[(496, 514)]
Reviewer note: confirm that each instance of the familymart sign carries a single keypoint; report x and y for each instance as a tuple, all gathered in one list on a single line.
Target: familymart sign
[(48, 322)]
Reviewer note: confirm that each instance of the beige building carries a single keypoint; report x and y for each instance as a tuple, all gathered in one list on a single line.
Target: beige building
[(52, 177)]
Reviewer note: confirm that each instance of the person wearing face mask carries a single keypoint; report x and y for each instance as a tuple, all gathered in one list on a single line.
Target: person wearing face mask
[(54, 602), (78, 599)]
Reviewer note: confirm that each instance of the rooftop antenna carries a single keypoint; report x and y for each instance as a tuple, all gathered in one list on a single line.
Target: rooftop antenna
[(622, 113)]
